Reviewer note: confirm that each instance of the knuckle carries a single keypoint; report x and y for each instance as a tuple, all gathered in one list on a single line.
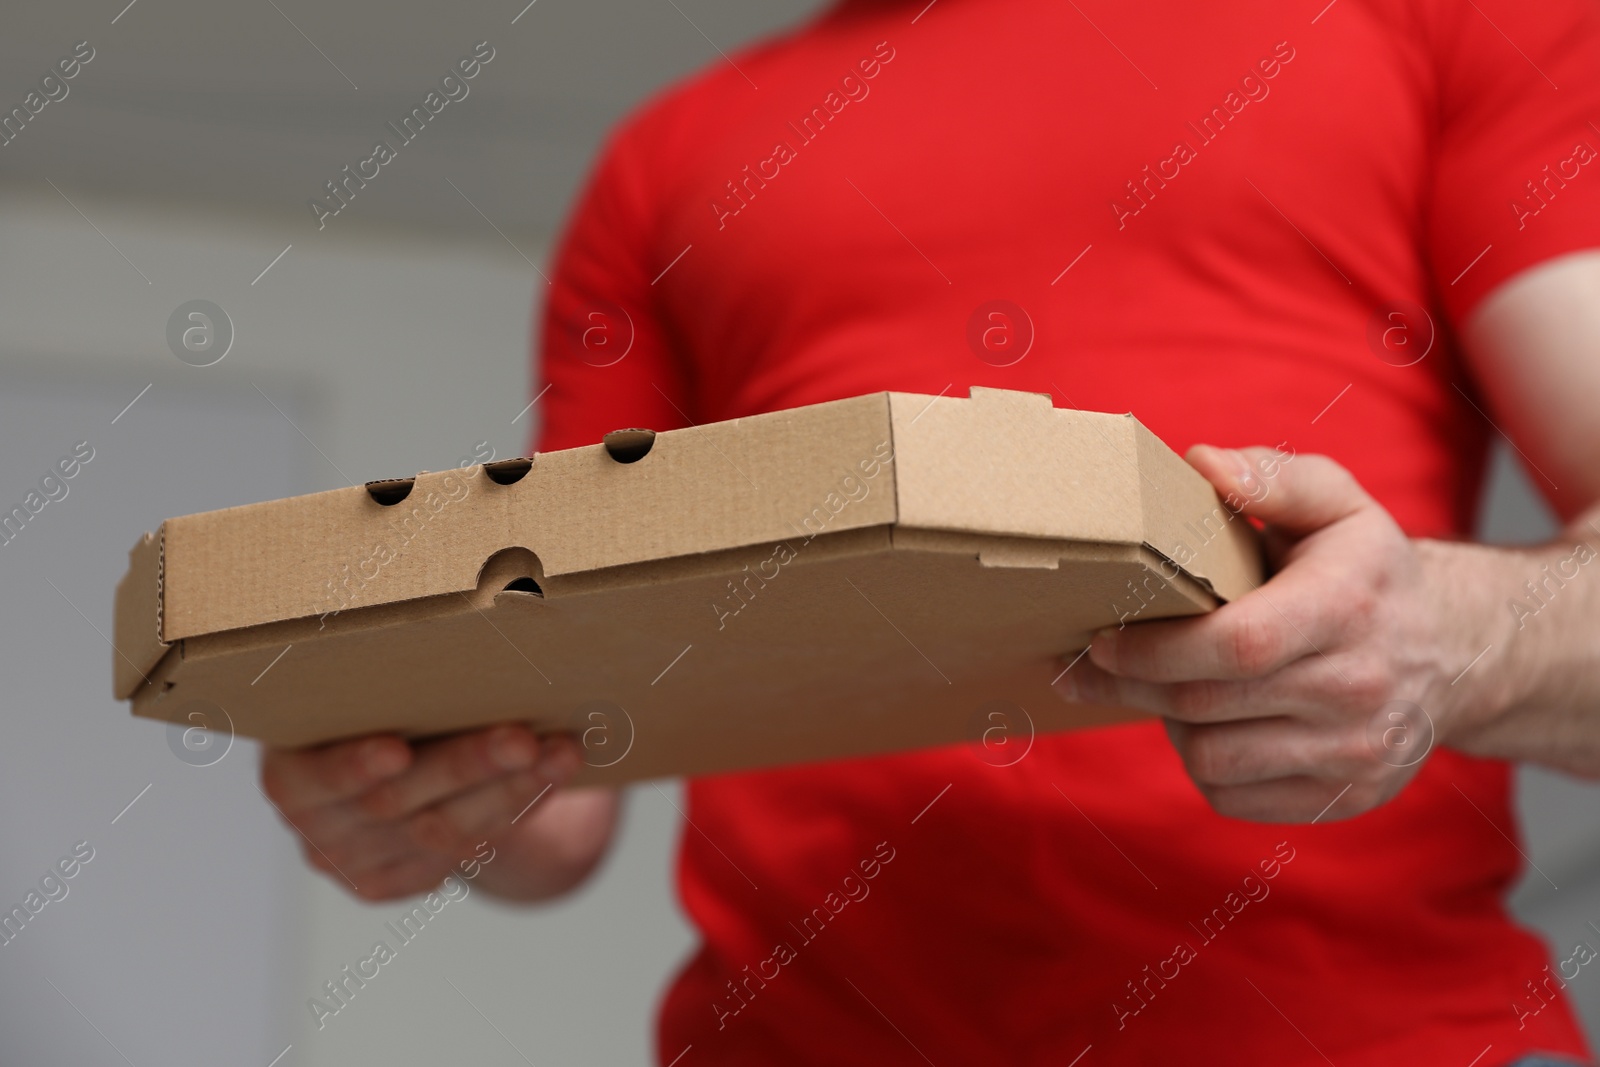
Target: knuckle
[(1356, 753), (1194, 700), (1368, 683), (1252, 645), (1211, 761), (1361, 605)]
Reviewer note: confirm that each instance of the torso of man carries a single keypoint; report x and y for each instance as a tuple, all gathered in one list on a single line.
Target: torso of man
[(1247, 223)]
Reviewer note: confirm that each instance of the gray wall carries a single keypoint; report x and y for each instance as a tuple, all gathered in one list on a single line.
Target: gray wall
[(212, 896), (186, 868)]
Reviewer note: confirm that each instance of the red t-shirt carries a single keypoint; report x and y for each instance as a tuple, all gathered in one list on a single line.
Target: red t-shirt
[(1203, 214)]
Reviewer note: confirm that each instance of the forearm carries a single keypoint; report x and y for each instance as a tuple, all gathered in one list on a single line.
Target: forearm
[(553, 847), (1535, 614)]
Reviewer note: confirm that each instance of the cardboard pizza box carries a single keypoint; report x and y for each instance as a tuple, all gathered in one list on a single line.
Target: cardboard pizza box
[(862, 576)]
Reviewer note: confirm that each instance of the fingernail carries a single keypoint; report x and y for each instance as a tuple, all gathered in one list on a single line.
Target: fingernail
[(1243, 471), (513, 751), (558, 761), (1067, 687), (1105, 650)]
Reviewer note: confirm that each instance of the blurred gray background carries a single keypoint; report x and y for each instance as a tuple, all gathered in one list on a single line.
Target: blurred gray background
[(393, 340)]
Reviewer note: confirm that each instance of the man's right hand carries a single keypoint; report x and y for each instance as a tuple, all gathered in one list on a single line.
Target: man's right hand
[(391, 818)]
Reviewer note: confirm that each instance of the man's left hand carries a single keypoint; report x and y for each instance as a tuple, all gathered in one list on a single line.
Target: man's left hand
[(1331, 681)]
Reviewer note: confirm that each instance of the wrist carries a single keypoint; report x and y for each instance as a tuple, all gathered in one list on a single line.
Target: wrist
[(1482, 672)]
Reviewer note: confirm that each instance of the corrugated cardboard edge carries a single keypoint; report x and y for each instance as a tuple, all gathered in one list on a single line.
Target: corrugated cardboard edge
[(1187, 523), (137, 647)]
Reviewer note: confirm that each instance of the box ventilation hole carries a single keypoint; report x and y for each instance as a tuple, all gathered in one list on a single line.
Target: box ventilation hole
[(508, 471), (391, 492), (514, 569), (524, 585), (629, 446)]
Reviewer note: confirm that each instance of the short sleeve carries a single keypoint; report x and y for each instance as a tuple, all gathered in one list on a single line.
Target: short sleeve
[(1517, 169), (604, 359)]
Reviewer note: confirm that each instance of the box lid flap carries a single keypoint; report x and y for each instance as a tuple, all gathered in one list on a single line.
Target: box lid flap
[(677, 493), (1011, 464)]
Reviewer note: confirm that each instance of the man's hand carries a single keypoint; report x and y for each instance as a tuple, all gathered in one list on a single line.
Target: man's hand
[(1367, 649), (391, 819), (1307, 689)]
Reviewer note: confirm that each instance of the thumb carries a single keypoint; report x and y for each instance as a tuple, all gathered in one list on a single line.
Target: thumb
[(1298, 494)]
